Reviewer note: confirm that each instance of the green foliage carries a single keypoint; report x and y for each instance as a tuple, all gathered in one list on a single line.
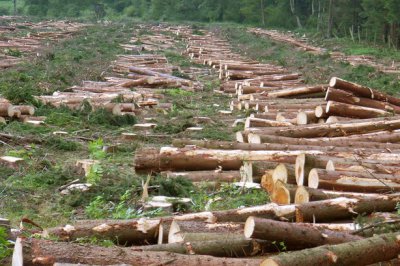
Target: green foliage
[(62, 144), (5, 246), (106, 118), (96, 149), (97, 208), (229, 197), (175, 187), (95, 174)]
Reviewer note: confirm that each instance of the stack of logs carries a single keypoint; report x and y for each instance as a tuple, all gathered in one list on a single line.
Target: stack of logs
[(136, 84), (31, 43), (23, 113), (323, 161), (354, 60)]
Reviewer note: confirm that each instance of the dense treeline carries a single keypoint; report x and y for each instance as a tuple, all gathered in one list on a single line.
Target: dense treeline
[(375, 20)]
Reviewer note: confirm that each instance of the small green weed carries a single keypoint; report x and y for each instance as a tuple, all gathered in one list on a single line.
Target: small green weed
[(5, 246)]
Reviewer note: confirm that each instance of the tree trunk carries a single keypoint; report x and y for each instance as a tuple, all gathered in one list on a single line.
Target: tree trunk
[(196, 231), (364, 182), (299, 91), (354, 111), (294, 235), (344, 208), (206, 176), (269, 211), (217, 248), (356, 141), (307, 194), (193, 159), (46, 253), (330, 19), (340, 129), (138, 231), (362, 252)]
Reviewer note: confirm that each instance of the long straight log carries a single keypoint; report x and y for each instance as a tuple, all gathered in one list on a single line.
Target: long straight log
[(192, 159), (294, 235), (299, 91), (362, 91), (307, 194), (205, 176), (193, 231), (344, 208), (353, 181), (138, 231), (218, 248), (354, 111), (269, 211), (48, 252), (339, 129), (362, 252)]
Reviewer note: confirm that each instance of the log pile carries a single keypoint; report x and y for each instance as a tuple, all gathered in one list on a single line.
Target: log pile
[(15, 46), (288, 38), (23, 113), (136, 84), (302, 43), (319, 175)]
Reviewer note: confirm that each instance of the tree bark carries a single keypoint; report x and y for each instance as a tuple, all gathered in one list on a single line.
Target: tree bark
[(354, 111), (307, 194), (344, 208), (205, 176), (193, 159), (294, 235), (364, 182), (339, 129), (362, 252), (46, 253), (196, 231), (299, 91), (217, 248), (269, 211), (138, 231)]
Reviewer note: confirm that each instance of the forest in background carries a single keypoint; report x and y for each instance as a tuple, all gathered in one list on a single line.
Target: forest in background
[(372, 20)]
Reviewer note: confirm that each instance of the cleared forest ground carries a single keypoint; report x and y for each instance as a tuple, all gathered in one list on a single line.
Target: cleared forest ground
[(191, 108)]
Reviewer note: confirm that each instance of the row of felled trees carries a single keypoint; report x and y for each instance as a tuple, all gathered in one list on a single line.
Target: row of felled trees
[(376, 20)]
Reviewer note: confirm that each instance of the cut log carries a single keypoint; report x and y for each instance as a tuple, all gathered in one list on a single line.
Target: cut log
[(354, 111), (306, 117), (307, 194), (349, 98), (362, 252), (192, 159), (338, 130), (11, 161), (6, 109), (205, 176), (294, 235), (353, 181), (195, 231), (281, 194), (218, 248), (344, 208), (46, 253), (299, 91), (267, 182), (269, 211), (138, 231), (362, 91)]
